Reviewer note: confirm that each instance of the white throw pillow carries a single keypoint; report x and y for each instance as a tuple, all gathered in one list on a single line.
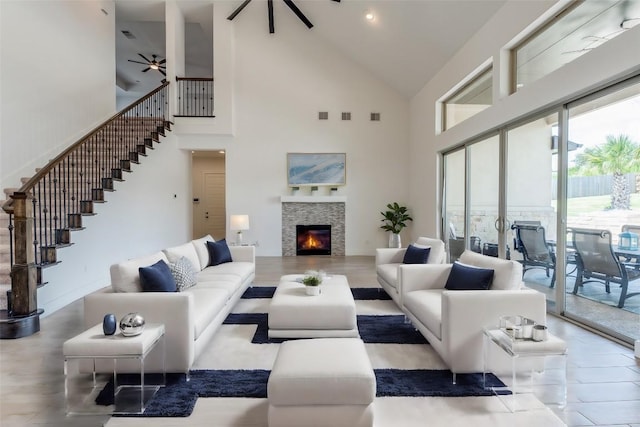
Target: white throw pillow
[(186, 250), (507, 274), (201, 249), (125, 276)]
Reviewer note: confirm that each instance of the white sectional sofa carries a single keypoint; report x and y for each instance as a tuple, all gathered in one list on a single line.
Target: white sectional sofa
[(453, 320), (192, 316), (389, 261)]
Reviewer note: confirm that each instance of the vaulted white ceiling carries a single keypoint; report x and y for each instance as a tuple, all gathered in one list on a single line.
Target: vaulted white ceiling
[(405, 44)]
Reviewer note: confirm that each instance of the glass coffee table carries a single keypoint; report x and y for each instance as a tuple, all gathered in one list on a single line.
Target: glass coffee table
[(527, 368), (84, 352)]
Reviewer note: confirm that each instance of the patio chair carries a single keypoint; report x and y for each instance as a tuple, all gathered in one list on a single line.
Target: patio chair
[(531, 241), (456, 244), (598, 262), (632, 228), (456, 247)]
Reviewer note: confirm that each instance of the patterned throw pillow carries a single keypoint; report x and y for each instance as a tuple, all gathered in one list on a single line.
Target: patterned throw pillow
[(184, 273)]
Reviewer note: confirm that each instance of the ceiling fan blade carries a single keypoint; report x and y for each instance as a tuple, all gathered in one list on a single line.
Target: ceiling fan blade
[(145, 58), (162, 62), (146, 69), (298, 13), (270, 8), (163, 73), (238, 10), (138, 62)]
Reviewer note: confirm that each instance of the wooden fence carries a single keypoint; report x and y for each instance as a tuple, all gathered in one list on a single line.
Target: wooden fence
[(586, 186)]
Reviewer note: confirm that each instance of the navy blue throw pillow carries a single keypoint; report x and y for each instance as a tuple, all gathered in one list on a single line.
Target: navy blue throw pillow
[(218, 252), (467, 278), (416, 255), (157, 278)]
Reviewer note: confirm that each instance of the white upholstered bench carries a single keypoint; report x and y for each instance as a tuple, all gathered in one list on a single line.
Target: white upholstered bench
[(294, 314), (322, 381)]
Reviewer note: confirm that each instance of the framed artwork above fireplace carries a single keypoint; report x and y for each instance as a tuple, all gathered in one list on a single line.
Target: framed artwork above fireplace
[(312, 169)]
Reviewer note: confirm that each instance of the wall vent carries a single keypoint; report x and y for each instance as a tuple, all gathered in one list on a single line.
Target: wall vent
[(346, 116), (323, 115), (375, 117)]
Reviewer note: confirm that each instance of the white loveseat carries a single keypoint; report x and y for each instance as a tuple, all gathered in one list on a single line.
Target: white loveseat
[(389, 261), (192, 316), (453, 320)]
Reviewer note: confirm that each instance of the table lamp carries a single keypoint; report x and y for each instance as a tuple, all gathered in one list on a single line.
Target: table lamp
[(239, 223)]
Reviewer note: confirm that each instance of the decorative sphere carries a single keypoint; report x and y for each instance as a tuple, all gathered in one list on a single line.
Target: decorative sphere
[(132, 324)]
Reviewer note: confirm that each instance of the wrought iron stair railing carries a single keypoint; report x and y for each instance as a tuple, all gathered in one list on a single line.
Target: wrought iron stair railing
[(50, 205)]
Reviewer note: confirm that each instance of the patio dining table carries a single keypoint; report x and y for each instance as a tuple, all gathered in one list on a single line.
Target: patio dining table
[(625, 252)]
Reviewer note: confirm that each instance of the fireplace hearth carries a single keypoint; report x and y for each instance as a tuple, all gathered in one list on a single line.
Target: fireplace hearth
[(313, 240)]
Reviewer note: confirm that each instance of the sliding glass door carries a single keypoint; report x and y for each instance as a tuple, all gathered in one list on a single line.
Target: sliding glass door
[(603, 196), (560, 193), (471, 193), (531, 172), (453, 215), (483, 188)]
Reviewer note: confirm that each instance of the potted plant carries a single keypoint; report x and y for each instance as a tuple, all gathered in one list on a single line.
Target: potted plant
[(395, 219), (312, 280)]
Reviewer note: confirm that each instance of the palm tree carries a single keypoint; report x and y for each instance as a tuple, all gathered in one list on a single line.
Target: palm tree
[(620, 155)]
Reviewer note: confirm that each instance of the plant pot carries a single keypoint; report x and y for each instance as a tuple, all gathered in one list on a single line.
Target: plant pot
[(312, 290), (394, 240)]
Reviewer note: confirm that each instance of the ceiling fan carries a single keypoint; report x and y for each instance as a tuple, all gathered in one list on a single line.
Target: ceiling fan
[(289, 3), (151, 64)]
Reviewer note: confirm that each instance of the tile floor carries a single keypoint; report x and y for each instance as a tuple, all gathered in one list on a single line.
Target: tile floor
[(603, 377)]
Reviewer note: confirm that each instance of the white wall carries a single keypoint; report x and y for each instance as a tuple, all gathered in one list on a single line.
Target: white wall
[(141, 217), (611, 61), (57, 79), (57, 83), (281, 82)]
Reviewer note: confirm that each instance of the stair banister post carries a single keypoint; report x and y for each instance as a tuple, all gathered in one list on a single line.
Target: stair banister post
[(24, 288)]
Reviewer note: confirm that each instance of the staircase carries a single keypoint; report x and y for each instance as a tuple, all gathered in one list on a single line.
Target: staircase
[(5, 264), (60, 194)]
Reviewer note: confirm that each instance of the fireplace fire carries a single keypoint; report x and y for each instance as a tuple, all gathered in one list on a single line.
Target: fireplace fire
[(313, 240)]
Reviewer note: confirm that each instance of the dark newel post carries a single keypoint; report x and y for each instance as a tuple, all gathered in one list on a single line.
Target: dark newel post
[(23, 272)]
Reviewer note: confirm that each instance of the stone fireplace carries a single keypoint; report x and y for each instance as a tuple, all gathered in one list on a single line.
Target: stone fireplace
[(307, 211)]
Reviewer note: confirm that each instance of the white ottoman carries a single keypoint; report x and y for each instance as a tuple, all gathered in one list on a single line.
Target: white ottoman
[(294, 314), (321, 382)]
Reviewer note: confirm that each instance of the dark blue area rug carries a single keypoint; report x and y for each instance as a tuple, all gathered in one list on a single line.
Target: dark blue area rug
[(179, 396), (373, 329), (358, 293)]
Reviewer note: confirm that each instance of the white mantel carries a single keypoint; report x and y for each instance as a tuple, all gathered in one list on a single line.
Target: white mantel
[(313, 199)]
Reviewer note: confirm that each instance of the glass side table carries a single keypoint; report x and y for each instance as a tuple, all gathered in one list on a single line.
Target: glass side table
[(82, 352), (537, 368)]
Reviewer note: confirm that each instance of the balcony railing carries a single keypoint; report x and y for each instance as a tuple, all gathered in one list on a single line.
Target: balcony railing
[(195, 97)]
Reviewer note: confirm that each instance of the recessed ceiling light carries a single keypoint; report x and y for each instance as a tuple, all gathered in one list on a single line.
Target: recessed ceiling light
[(369, 16)]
